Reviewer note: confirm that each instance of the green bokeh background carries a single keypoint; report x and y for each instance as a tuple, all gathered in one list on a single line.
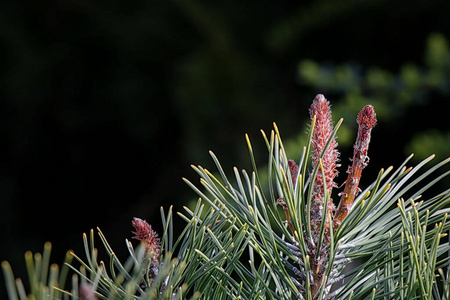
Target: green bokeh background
[(104, 105)]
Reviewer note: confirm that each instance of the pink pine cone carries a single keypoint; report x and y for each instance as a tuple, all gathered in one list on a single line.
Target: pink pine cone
[(145, 234)]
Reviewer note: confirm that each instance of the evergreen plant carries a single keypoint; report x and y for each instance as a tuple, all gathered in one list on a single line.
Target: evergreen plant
[(286, 234)]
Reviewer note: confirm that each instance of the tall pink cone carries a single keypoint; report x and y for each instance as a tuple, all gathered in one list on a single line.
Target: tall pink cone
[(323, 130)]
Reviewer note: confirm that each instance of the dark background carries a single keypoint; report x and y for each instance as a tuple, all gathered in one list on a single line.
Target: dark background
[(105, 105)]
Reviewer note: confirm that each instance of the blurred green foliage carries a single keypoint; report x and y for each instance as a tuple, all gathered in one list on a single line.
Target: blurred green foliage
[(392, 94)]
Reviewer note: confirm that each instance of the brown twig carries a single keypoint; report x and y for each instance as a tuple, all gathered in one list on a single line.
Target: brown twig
[(366, 121)]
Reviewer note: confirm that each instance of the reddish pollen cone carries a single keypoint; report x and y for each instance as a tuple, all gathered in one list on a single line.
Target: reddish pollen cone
[(147, 235), (323, 129)]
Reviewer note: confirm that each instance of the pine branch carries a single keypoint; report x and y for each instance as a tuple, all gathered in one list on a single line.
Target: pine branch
[(241, 242)]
